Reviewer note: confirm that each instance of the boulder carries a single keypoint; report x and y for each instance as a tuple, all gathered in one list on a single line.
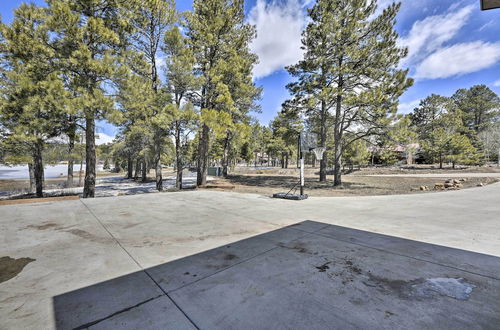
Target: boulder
[(455, 181), (480, 184), (448, 185), (439, 186), (459, 186)]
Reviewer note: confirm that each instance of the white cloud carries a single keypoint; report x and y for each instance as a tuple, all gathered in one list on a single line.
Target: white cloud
[(279, 27), (408, 107), (459, 59), (497, 83), (429, 34), (102, 138), (487, 25)]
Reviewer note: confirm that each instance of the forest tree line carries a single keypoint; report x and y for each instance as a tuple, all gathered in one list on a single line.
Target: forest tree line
[(179, 87)]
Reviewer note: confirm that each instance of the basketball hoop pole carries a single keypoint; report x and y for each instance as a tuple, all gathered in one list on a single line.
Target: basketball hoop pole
[(301, 160)]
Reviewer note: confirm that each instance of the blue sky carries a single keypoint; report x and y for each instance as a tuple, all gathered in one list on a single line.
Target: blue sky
[(452, 44)]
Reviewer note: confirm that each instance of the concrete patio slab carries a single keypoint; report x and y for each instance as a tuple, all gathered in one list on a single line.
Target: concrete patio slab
[(181, 272), (146, 315), (84, 307), (301, 281), (71, 245)]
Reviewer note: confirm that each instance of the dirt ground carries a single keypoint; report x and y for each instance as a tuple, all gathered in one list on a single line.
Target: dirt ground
[(270, 181), (267, 181)]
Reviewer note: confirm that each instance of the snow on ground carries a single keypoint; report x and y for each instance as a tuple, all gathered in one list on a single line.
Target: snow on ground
[(50, 171), (116, 186)]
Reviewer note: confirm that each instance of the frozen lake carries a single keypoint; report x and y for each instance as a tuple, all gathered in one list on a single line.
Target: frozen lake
[(51, 171)]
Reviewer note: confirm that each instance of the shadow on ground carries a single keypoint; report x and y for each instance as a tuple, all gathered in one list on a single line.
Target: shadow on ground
[(306, 276), (282, 181)]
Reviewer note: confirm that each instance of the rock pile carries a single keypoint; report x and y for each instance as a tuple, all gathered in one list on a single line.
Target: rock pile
[(450, 184)]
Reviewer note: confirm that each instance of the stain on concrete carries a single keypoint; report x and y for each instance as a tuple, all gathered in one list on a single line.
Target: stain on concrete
[(44, 226), (230, 256), (130, 225), (344, 270), (323, 267), (388, 314), (430, 288), (299, 247), (421, 288), (88, 236), (11, 267), (457, 288)]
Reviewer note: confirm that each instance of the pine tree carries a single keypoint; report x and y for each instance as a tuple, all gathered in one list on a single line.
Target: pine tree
[(90, 36), (286, 128), (480, 106), (33, 94), (181, 81), (424, 117), (150, 21), (350, 70), (219, 39)]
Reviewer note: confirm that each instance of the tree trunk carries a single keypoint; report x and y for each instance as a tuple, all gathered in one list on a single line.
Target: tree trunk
[(71, 147), (225, 158), (202, 169), (130, 167), (69, 179), (144, 170), (31, 171), (440, 161), (337, 172), (117, 168), (178, 157), (158, 174), (90, 159), (38, 168), (137, 168), (322, 134), (80, 173), (286, 160)]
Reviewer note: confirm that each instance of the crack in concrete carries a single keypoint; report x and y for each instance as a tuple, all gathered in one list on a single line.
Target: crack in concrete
[(138, 264), (89, 324)]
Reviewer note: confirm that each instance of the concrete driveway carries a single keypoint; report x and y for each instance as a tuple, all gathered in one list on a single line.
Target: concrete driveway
[(51, 250)]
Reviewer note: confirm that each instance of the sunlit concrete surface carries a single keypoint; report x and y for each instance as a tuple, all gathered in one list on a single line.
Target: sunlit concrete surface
[(54, 249)]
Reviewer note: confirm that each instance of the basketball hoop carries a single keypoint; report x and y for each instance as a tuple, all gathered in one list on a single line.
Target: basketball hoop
[(308, 141), (319, 151)]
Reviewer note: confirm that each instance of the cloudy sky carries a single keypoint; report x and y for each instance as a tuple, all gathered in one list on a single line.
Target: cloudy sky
[(452, 44)]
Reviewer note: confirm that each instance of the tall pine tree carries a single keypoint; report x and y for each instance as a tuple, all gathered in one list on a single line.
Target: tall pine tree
[(350, 70), (91, 35), (33, 97), (219, 39)]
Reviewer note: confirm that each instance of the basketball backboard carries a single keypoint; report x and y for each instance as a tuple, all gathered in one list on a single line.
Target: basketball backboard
[(308, 141), (490, 4)]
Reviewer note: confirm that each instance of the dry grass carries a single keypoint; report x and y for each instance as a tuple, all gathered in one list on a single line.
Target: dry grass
[(38, 200), (268, 184)]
